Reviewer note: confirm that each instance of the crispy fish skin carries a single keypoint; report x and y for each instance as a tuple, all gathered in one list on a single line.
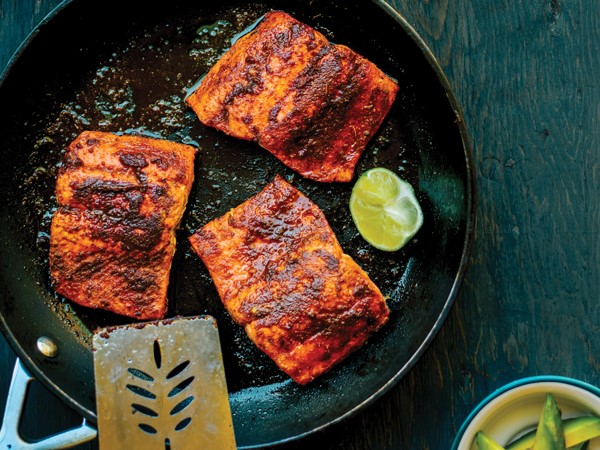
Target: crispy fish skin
[(312, 104), (282, 275), (112, 238)]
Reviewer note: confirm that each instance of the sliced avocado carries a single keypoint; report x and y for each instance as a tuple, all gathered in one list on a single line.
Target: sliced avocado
[(485, 442), (577, 430), (581, 429), (582, 446), (550, 434)]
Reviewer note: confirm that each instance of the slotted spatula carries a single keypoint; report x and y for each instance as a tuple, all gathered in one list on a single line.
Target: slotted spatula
[(161, 385)]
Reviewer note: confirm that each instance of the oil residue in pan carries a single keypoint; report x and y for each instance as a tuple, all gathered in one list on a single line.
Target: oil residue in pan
[(140, 88)]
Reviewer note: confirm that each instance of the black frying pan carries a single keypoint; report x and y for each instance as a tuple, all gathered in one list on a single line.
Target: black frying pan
[(125, 67)]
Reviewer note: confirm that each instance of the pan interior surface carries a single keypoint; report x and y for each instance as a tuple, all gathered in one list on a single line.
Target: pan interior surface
[(126, 68)]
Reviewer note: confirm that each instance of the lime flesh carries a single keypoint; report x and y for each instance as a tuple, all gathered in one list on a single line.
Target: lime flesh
[(385, 209)]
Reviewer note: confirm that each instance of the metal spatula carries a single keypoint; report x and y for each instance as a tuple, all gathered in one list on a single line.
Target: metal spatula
[(161, 385)]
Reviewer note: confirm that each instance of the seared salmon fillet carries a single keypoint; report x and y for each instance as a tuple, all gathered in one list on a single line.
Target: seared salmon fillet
[(283, 276), (112, 238), (312, 104)]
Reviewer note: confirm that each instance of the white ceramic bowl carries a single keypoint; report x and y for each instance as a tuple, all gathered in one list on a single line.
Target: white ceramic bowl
[(516, 408)]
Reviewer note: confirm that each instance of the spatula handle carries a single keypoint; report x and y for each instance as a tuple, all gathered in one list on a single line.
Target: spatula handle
[(9, 433)]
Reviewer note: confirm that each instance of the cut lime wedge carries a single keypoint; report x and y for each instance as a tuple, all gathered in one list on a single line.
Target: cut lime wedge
[(385, 209)]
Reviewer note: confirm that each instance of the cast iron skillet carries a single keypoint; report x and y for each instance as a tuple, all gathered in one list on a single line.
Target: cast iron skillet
[(125, 67)]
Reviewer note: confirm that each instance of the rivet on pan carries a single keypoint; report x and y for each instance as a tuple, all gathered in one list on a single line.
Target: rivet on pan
[(47, 346)]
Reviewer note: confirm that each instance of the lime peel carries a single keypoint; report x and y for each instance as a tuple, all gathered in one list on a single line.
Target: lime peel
[(385, 210)]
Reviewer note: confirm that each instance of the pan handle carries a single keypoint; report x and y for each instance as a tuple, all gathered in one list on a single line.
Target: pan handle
[(9, 433)]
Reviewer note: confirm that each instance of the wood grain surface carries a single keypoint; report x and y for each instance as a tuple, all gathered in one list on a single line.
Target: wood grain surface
[(527, 75)]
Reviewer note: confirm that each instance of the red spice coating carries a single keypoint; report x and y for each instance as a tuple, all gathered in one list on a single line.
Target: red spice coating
[(283, 276), (112, 238), (313, 104)]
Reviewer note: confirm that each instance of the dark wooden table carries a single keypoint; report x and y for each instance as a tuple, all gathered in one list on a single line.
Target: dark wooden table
[(527, 75)]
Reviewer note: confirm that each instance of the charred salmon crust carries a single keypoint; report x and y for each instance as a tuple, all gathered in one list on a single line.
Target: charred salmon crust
[(282, 275), (112, 238), (312, 104)]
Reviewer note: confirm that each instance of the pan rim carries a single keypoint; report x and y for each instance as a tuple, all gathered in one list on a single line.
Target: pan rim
[(21, 353), (470, 225)]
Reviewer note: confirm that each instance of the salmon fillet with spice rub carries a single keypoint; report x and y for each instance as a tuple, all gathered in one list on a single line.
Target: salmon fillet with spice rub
[(283, 276), (112, 239), (312, 104)]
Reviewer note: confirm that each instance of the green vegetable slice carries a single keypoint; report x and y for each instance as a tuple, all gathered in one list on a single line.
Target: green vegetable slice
[(581, 446), (550, 434), (485, 442), (577, 430)]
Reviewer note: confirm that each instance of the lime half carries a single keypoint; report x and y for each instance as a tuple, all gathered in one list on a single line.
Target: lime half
[(385, 210)]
